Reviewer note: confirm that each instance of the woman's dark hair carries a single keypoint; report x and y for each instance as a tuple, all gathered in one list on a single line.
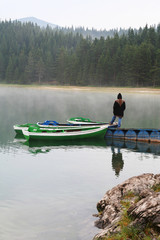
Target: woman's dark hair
[(119, 96)]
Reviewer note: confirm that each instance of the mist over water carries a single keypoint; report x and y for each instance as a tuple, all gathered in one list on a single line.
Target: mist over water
[(23, 105), (50, 191)]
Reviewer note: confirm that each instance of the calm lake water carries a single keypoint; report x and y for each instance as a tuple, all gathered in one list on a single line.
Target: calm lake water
[(50, 191)]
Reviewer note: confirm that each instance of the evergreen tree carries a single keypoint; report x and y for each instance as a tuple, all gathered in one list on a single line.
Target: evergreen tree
[(68, 56)]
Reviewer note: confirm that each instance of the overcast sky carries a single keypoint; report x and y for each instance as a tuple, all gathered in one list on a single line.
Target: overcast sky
[(99, 14)]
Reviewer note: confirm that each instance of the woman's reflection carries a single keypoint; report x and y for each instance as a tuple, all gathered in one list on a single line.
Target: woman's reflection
[(117, 161)]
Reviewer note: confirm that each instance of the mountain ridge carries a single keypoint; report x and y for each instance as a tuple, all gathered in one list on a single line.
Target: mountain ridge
[(93, 33), (37, 21)]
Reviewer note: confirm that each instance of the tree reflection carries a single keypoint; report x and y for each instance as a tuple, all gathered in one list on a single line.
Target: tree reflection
[(117, 160)]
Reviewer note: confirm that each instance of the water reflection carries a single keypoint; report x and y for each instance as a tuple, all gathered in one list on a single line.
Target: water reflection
[(137, 146), (42, 146), (116, 146), (79, 142), (117, 161)]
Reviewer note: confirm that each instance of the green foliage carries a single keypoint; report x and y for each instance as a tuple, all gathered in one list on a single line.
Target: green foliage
[(29, 55), (156, 188)]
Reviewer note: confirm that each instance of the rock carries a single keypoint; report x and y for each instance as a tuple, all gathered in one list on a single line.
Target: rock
[(145, 210)]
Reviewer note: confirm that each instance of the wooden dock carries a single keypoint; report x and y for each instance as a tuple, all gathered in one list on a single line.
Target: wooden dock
[(145, 135)]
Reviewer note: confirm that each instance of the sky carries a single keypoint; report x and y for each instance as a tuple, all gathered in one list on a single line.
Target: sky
[(97, 14)]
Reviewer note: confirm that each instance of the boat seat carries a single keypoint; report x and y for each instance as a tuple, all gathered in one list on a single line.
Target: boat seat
[(48, 122)]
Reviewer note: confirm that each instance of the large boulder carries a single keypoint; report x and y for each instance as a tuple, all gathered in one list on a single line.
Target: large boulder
[(144, 204)]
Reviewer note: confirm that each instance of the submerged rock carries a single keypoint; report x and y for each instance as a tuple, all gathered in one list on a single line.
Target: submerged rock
[(144, 205)]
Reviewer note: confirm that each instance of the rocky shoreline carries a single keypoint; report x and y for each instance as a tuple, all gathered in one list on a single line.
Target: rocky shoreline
[(131, 206)]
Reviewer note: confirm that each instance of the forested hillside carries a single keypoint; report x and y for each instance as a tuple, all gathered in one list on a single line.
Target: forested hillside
[(29, 54), (93, 33)]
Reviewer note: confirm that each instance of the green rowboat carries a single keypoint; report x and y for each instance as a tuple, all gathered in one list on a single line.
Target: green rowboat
[(19, 127), (55, 125), (34, 133), (87, 121), (81, 120)]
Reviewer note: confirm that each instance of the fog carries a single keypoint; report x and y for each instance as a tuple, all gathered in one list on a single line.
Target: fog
[(29, 105)]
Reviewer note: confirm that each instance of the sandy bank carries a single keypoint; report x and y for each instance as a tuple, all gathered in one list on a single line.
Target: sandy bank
[(94, 89)]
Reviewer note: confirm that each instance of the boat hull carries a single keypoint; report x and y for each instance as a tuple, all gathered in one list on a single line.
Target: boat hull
[(69, 126), (93, 132), (87, 121), (80, 120), (18, 128)]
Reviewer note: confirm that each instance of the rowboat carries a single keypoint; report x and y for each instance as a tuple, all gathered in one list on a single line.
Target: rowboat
[(52, 124), (19, 127), (46, 124), (55, 125), (81, 120), (84, 121), (35, 133)]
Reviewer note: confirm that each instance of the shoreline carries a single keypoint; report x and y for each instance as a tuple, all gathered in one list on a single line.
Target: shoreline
[(130, 210), (142, 90)]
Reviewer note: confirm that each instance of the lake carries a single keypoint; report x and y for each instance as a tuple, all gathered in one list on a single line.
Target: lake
[(50, 191)]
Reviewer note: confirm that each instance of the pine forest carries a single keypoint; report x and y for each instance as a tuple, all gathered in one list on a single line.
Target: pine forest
[(33, 55)]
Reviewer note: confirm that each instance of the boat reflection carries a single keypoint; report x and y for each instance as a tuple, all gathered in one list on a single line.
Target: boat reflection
[(137, 146), (116, 146), (36, 147), (80, 142)]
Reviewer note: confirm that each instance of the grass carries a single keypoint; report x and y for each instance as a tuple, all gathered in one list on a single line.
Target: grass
[(156, 188)]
